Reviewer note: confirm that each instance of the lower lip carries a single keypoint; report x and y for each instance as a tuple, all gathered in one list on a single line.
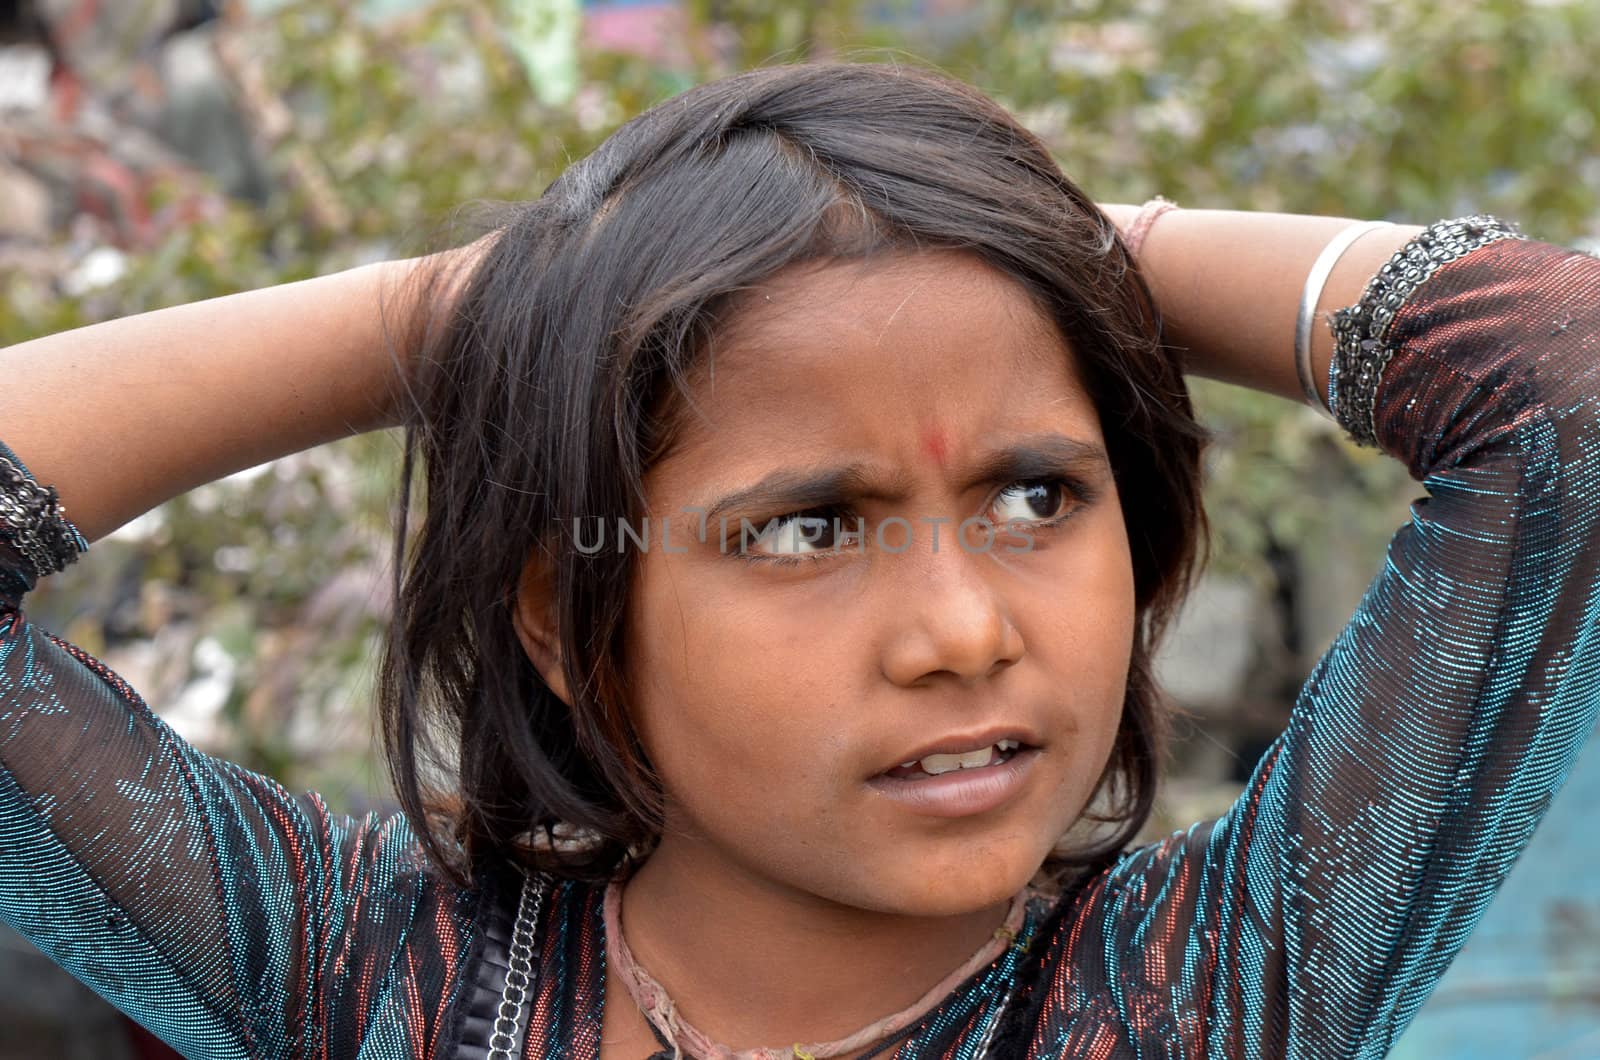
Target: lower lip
[(962, 793)]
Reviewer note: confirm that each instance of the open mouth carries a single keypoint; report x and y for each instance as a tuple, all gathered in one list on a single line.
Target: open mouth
[(936, 765), (961, 784)]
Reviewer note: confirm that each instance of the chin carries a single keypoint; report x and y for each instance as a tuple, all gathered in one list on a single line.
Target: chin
[(974, 876)]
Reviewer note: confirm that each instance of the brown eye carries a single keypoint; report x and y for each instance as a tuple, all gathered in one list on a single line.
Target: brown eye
[(1032, 501)]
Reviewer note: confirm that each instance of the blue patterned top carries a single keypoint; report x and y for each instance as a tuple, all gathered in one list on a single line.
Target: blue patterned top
[(236, 919)]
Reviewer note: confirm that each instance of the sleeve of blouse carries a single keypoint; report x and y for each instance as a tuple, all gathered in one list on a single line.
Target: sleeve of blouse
[(1314, 918), (201, 899)]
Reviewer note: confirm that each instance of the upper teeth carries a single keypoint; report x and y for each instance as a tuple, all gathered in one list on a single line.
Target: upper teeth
[(933, 765)]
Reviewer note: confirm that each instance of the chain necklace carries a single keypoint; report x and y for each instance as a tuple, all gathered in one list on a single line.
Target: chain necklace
[(524, 952)]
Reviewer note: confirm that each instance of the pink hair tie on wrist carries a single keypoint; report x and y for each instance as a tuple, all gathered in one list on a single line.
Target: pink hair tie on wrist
[(1153, 208)]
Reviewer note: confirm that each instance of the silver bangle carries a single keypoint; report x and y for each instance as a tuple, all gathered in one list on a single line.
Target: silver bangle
[(1315, 281)]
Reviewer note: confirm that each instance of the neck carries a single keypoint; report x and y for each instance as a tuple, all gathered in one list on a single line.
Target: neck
[(751, 962)]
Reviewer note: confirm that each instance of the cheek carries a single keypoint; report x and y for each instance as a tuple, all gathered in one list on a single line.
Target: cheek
[(1081, 633), (1082, 598), (1115, 620), (725, 687)]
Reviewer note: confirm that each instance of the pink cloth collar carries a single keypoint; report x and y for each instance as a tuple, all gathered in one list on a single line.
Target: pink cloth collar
[(687, 1040)]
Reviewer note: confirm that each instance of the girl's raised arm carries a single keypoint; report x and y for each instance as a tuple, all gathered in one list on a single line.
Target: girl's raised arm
[(123, 415), (228, 915), (1229, 282), (1314, 918)]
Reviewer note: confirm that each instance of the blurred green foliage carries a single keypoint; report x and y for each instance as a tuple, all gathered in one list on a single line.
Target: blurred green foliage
[(1407, 111)]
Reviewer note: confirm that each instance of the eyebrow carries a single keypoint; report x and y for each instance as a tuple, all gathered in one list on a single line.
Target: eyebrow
[(790, 490)]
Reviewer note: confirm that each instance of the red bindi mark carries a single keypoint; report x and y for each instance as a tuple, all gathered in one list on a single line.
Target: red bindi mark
[(935, 445)]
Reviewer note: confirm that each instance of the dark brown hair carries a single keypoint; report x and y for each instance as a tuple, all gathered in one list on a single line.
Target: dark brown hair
[(549, 389)]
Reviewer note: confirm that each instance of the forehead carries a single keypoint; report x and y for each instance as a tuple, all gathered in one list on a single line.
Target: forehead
[(871, 357)]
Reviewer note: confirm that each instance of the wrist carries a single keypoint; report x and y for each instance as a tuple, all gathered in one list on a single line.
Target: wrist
[(1142, 220), (1229, 285), (400, 297), (418, 298), (1133, 222)]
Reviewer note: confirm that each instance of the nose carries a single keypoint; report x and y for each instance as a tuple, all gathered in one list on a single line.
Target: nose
[(950, 619)]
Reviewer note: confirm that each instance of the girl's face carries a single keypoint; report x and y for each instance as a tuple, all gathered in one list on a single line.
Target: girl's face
[(783, 678)]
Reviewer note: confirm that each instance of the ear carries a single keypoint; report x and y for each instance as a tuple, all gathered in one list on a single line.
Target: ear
[(533, 617)]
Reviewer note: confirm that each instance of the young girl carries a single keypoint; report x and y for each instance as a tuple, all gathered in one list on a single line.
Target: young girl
[(809, 477)]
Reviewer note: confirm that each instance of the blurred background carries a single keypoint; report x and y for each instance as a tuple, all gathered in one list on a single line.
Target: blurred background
[(160, 151)]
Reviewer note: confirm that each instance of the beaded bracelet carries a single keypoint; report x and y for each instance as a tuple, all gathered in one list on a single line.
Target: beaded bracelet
[(1361, 332), (33, 521)]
